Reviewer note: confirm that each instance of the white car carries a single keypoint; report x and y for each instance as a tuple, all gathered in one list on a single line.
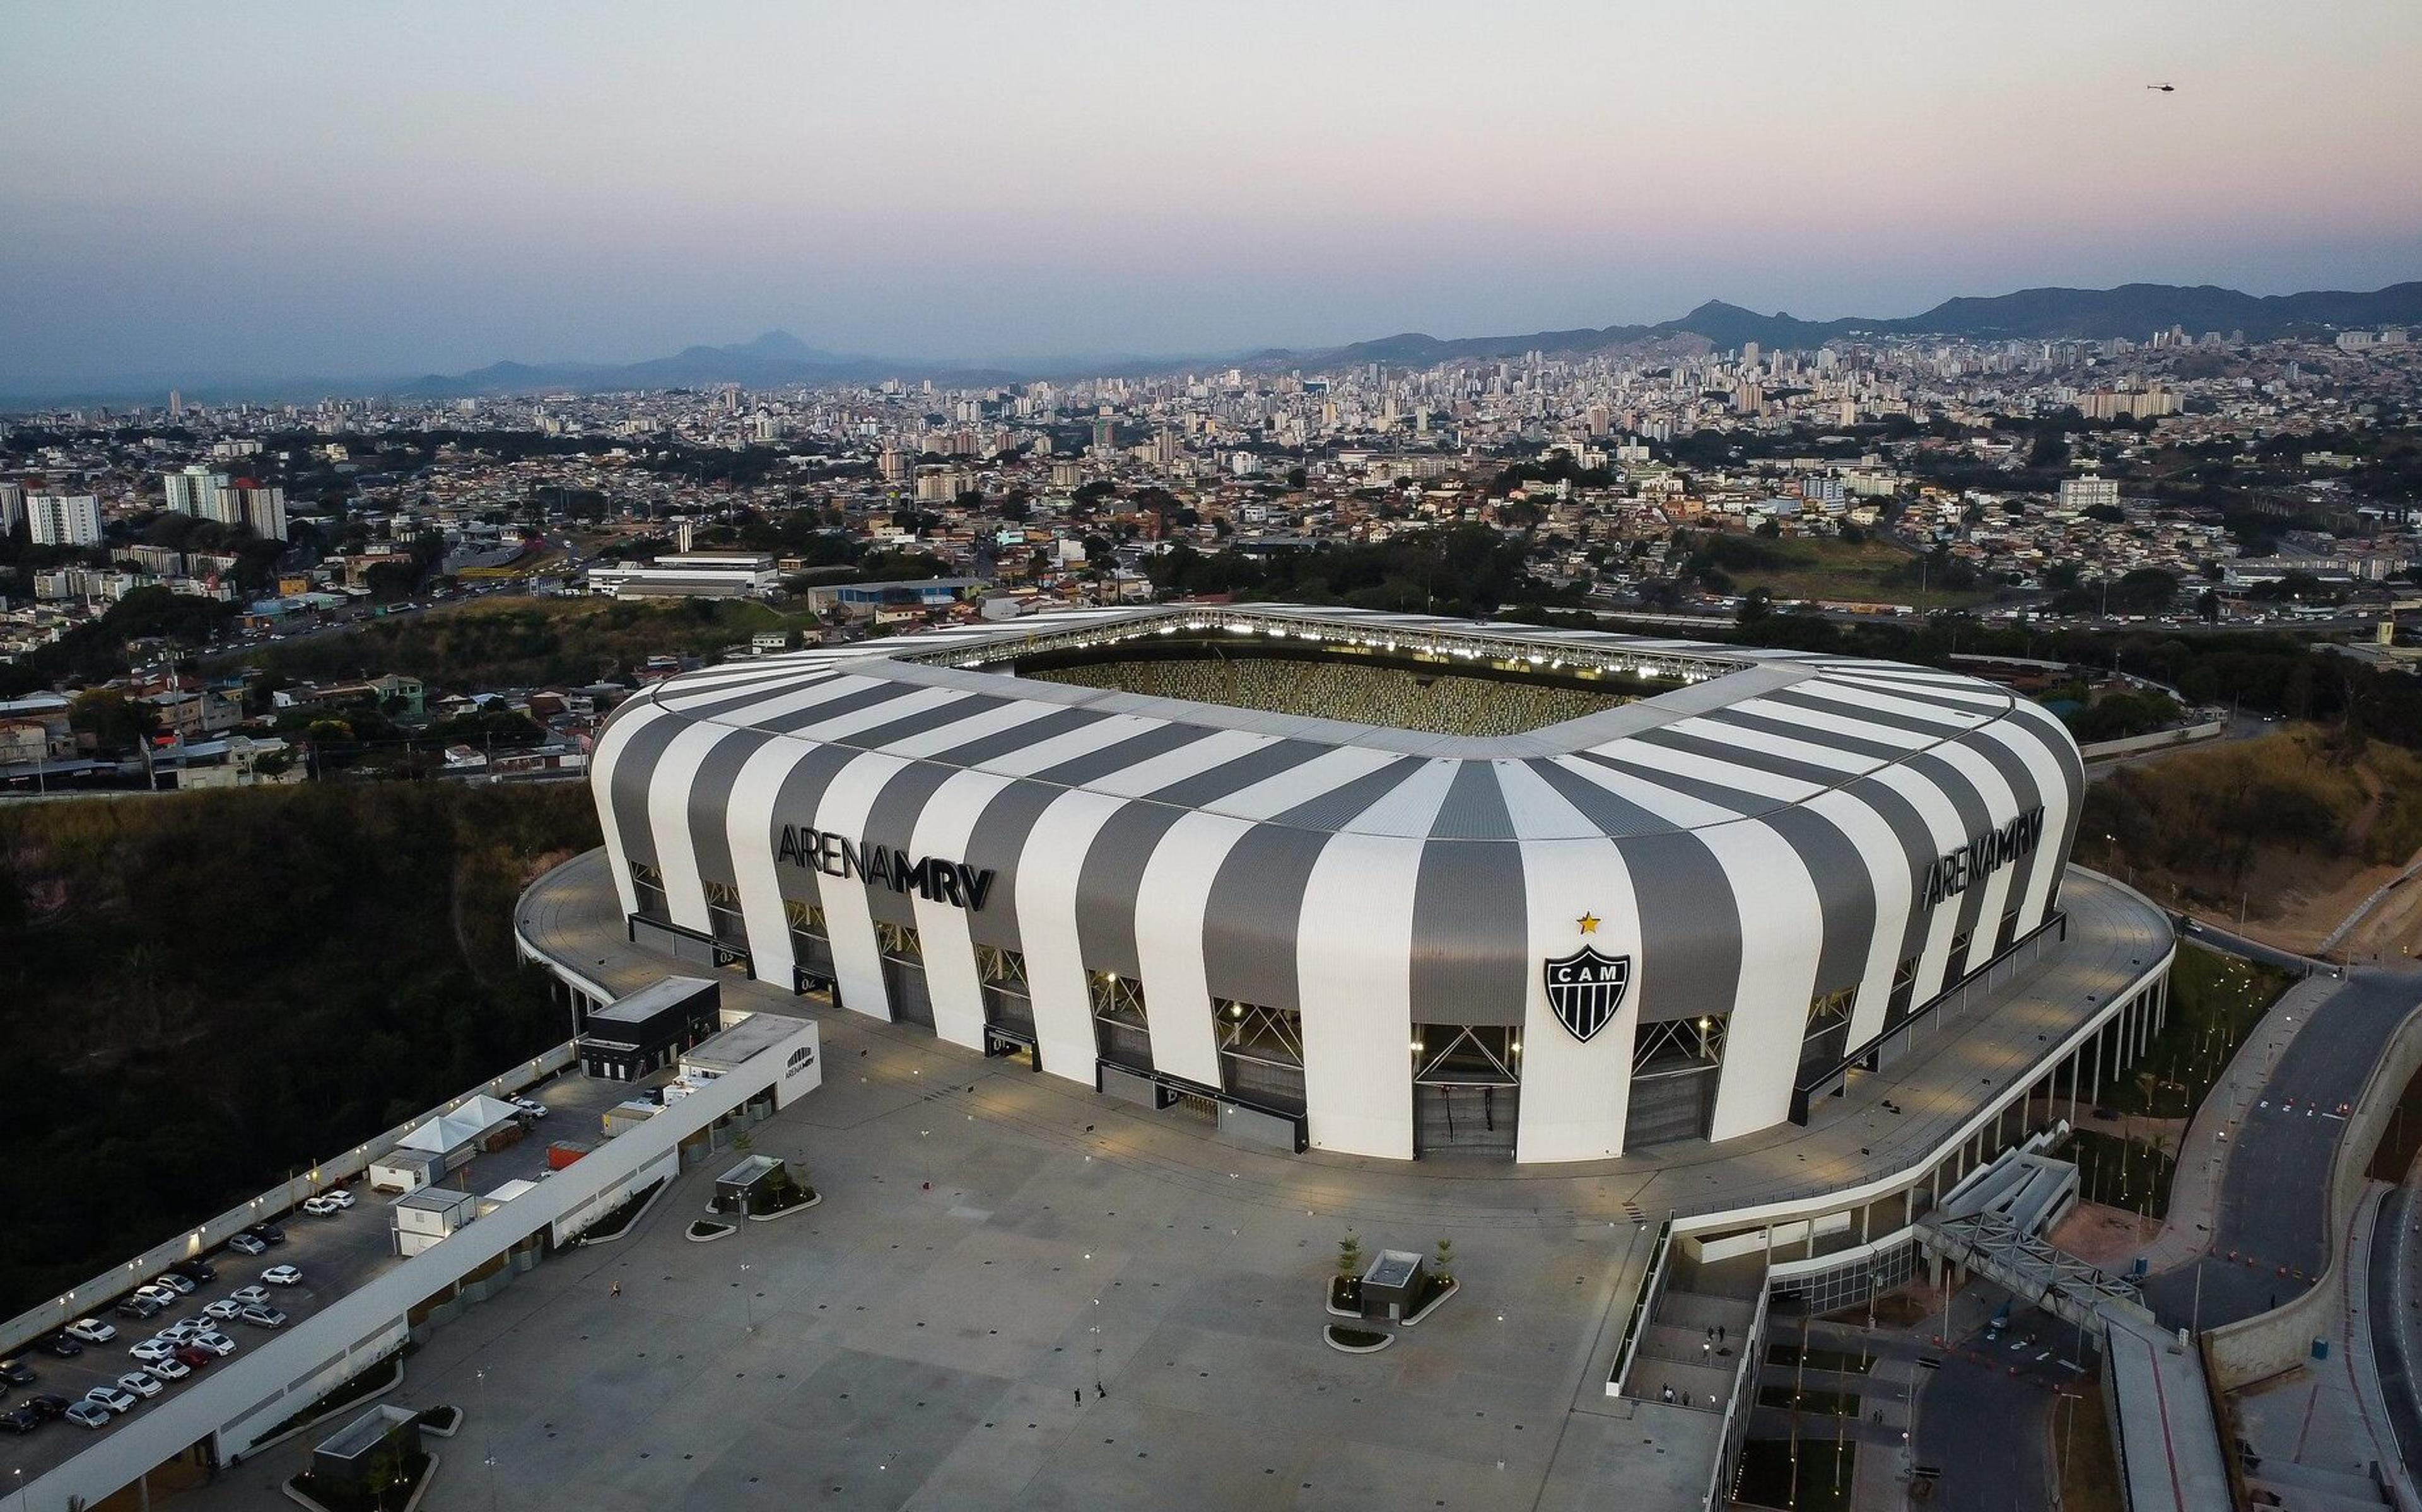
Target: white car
[(114, 1396), (171, 1368), (91, 1330), (215, 1341), (283, 1276), (181, 1286), (87, 1414), (339, 1196), (151, 1350), (245, 1297), (531, 1106), (225, 1308), (164, 1295), (142, 1383), (182, 1331), (320, 1207)]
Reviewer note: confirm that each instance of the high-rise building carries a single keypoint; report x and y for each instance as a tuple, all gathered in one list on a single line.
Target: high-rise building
[(197, 491), (261, 505), (176, 405), (64, 518), (12, 507)]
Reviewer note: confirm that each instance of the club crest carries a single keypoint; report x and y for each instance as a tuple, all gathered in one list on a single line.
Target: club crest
[(1585, 988)]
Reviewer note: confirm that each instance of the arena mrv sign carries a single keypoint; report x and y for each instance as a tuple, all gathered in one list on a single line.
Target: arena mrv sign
[(930, 878), (1987, 852)]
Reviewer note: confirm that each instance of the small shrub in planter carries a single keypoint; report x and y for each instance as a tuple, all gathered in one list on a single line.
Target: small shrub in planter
[(442, 1421), (1346, 1294)]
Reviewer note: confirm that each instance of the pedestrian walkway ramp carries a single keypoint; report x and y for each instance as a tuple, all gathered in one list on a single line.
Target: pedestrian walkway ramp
[(1992, 1225)]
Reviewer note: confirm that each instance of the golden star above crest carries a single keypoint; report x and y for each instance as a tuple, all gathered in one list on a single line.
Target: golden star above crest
[(1588, 922)]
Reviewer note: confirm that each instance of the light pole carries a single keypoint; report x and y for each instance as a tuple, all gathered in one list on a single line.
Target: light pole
[(488, 1436), (748, 1298)]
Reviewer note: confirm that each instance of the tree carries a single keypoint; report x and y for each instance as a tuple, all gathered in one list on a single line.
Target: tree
[(113, 718), (1349, 1258), (1444, 1264)]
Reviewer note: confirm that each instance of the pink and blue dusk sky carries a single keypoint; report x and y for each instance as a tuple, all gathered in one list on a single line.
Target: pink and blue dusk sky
[(249, 190)]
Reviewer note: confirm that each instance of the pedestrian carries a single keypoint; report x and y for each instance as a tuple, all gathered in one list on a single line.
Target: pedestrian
[(614, 1290), (1079, 1394), (1720, 1334), (1098, 1390)]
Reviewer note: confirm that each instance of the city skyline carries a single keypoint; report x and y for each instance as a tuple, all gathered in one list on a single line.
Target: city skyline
[(432, 190)]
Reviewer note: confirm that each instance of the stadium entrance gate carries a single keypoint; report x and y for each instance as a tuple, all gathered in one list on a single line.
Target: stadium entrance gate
[(1467, 1090)]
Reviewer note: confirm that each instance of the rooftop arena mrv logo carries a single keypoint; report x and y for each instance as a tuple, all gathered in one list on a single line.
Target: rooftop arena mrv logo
[(930, 878), (1989, 852)]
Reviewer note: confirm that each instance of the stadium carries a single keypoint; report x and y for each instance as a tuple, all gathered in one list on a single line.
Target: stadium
[(1384, 885)]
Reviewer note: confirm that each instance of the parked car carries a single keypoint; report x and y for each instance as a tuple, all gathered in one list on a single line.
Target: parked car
[(16, 1372), (181, 1286), (531, 1106), (200, 1271), (151, 1350), (320, 1207), (192, 1356), (142, 1383), (140, 1307), (59, 1346), (246, 1243), (246, 1296), (339, 1196), (283, 1276), (87, 1414), (182, 1331), (223, 1309), (91, 1330), (263, 1317), (49, 1404), (19, 1419), (267, 1232), (111, 1396), (154, 1292), (171, 1368), (215, 1341)]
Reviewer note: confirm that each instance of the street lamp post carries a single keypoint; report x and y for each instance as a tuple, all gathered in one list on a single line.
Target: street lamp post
[(748, 1298)]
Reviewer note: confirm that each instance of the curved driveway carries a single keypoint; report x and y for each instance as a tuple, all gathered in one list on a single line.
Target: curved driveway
[(2269, 1231)]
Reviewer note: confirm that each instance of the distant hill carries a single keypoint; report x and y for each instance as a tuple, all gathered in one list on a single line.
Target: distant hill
[(2133, 310), (778, 359)]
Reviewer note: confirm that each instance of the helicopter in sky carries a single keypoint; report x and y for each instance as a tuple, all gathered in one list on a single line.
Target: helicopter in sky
[(2165, 88)]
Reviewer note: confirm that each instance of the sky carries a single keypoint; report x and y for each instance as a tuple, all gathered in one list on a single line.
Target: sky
[(208, 192)]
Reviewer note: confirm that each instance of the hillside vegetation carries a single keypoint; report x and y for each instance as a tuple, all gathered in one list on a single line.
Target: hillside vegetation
[(522, 643), (2280, 824), (202, 994)]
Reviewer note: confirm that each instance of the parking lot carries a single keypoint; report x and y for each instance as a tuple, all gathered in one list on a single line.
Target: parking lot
[(336, 1255)]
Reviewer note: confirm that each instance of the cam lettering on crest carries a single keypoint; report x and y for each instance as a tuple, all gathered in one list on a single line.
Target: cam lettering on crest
[(930, 878)]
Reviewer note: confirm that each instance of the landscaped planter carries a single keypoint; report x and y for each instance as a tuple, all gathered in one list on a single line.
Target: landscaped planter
[(292, 1487), (814, 1197), (443, 1422), (702, 1231), (1355, 1340), (1431, 1303), (1345, 1298)]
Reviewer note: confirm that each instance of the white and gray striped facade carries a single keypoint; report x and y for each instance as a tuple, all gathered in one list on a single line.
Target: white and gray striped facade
[(1344, 927)]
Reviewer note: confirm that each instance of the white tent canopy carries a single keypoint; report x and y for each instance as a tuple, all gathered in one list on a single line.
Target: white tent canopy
[(452, 1130)]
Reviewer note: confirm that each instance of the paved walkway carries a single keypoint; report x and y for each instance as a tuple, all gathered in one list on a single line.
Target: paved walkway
[(2203, 1155), (2322, 1430)]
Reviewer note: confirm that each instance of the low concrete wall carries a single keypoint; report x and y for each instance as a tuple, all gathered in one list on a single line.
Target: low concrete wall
[(104, 1290), (2256, 1348), (2154, 741)]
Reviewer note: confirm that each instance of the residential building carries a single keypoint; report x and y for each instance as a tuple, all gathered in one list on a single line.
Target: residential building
[(64, 518)]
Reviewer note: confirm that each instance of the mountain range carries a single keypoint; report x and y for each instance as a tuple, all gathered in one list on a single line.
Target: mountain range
[(778, 359), (2134, 310)]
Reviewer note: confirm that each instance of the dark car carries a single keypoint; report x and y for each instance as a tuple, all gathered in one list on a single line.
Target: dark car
[(48, 1404), (138, 1307), (20, 1420), (267, 1232), (60, 1345), (16, 1372), (196, 1271), (194, 1355)]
